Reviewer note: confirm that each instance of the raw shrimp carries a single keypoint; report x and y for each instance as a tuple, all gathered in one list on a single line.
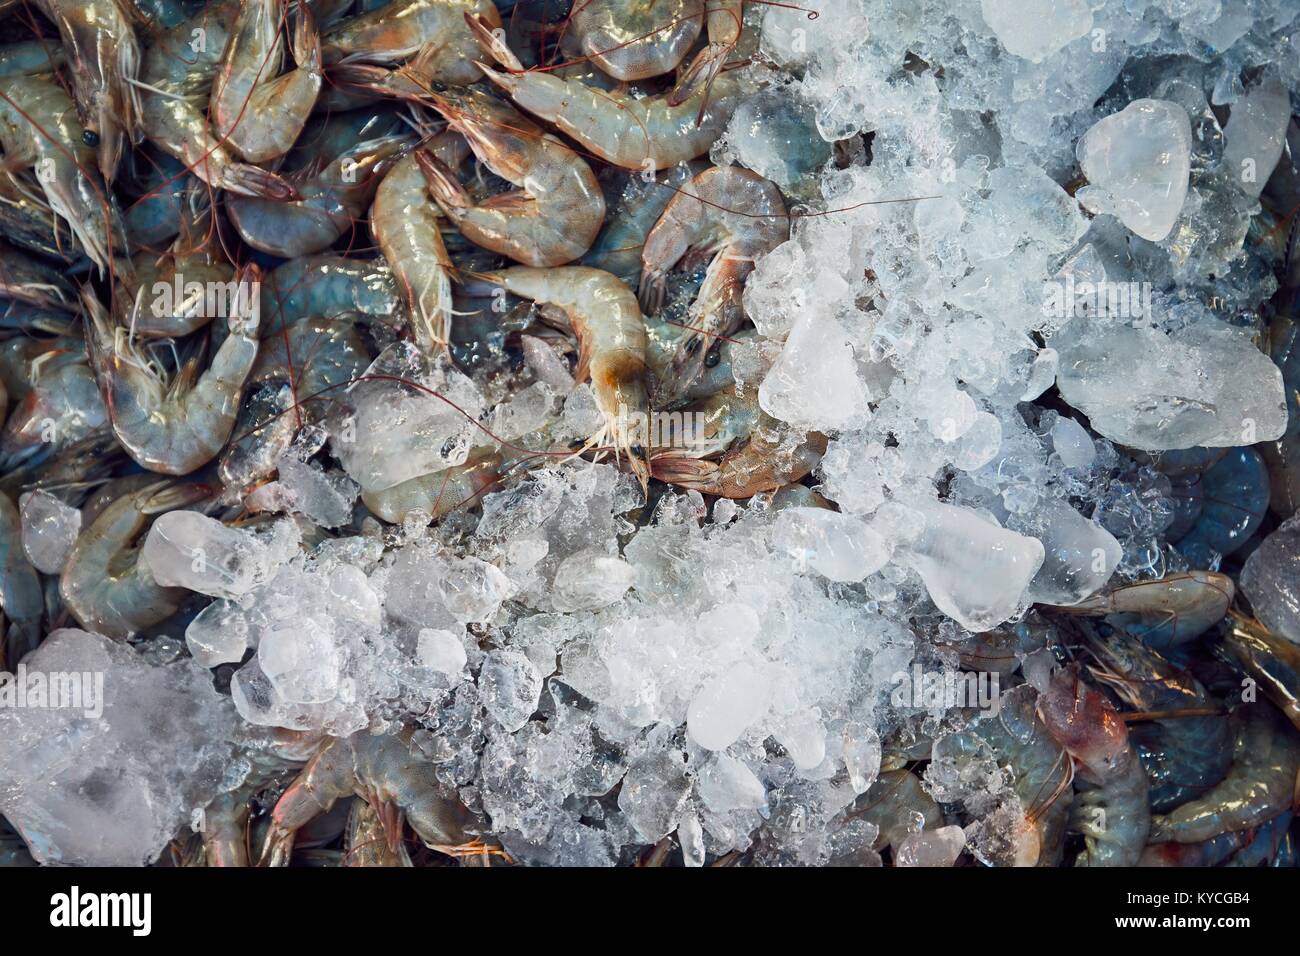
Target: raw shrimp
[(646, 133), (176, 79), (105, 585), (253, 108), (897, 804), (725, 20), (384, 772), (63, 407), (332, 200), (559, 208), (326, 286), (366, 841), (175, 427), (39, 128), (1260, 785), (20, 590), (636, 39), (30, 57), (28, 221), (434, 28), (1234, 493), (1184, 756), (104, 58), (406, 225), (34, 281), (770, 456), (1111, 806), (603, 314), (225, 829), (732, 215), (263, 432), (439, 493), (1164, 613), (188, 268), (1272, 662)]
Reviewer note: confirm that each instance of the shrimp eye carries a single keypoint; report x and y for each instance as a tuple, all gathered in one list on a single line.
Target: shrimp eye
[(693, 345), (638, 451), (90, 138), (712, 359)]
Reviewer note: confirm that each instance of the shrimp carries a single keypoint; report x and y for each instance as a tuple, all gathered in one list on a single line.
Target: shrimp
[(1164, 613), (185, 269), (732, 214), (264, 431), (559, 209), (1260, 785), (20, 589), (1111, 807), (332, 200), (104, 58), (30, 57), (439, 493), (62, 408), (366, 840), (253, 108), (898, 806), (1272, 662), (173, 428), (636, 39), (39, 128), (384, 772), (646, 133), (1183, 757), (603, 314), (769, 456), (28, 221), (177, 76), (327, 286), (225, 829), (34, 281), (406, 225), (434, 28), (105, 585), (725, 20)]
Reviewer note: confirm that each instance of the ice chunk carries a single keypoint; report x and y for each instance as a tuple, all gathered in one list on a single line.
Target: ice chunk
[(218, 634), (511, 687), (939, 847), (837, 546), (1206, 384), (1035, 29), (441, 651), (774, 133), (1137, 163), (1080, 555), (814, 382), (189, 550), (862, 754), (87, 786), (975, 571), (50, 529), (727, 784), (1255, 134), (326, 497), (654, 794), (1271, 581), (1072, 442), (727, 705), (473, 590), (803, 737), (591, 579)]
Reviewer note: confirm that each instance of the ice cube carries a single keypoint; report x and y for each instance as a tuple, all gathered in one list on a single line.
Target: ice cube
[(50, 529)]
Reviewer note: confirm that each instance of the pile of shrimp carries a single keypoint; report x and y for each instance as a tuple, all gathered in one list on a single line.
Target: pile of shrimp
[(513, 194)]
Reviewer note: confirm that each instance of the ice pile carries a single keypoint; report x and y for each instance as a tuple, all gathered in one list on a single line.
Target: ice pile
[(115, 755)]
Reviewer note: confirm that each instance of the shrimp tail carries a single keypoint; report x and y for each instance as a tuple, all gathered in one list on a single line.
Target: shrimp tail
[(306, 40), (249, 180), (446, 189), (704, 69), (493, 43)]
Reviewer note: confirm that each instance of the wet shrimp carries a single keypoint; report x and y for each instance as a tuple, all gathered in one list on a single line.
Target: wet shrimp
[(254, 108), (646, 133), (898, 805), (1111, 808), (636, 39), (20, 590), (329, 285), (439, 493), (602, 312), (176, 81), (105, 585), (725, 21), (175, 427), (104, 58), (366, 841), (400, 29), (384, 772), (407, 227), (559, 208), (39, 128), (1272, 662), (731, 215), (1165, 613), (333, 199), (1260, 785)]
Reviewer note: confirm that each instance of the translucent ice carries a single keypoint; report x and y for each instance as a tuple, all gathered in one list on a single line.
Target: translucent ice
[(837, 546), (1271, 581), (1072, 442), (1079, 555), (50, 529), (441, 651), (87, 787), (814, 382), (939, 847), (1035, 29), (591, 579), (654, 794), (1137, 163), (975, 571), (727, 705), (1255, 134), (190, 550), (511, 687)]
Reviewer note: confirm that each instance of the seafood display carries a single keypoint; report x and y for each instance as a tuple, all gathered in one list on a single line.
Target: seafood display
[(617, 433)]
